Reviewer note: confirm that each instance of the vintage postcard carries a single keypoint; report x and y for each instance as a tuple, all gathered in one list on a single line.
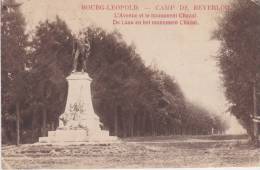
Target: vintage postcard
[(130, 84)]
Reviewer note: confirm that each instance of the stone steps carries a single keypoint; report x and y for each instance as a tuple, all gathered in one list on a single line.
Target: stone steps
[(76, 136)]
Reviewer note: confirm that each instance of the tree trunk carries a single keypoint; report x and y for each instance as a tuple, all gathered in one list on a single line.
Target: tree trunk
[(143, 124), (125, 129), (116, 123), (34, 128), (152, 125), (132, 125), (138, 125), (44, 119), (17, 123), (255, 124)]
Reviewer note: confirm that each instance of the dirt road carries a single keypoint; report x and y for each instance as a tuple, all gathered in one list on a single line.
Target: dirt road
[(147, 152)]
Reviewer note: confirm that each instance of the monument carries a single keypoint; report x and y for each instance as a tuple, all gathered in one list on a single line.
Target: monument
[(79, 123)]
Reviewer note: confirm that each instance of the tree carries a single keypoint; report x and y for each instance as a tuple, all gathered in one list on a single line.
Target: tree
[(40, 90), (50, 63), (238, 59), (14, 43), (200, 121)]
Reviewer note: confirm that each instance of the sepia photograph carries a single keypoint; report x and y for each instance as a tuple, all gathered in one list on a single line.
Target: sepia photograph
[(119, 84)]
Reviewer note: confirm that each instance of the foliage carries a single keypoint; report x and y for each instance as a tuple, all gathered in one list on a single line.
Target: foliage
[(239, 33), (50, 63), (13, 56), (143, 99)]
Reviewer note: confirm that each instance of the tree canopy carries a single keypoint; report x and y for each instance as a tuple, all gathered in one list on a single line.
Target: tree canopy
[(239, 57), (13, 55)]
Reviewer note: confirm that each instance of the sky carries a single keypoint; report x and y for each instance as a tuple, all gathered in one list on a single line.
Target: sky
[(184, 52)]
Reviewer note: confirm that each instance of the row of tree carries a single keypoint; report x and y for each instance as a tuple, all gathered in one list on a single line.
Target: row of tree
[(239, 59), (130, 98)]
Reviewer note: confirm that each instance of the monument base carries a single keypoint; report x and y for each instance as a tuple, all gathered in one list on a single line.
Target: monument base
[(78, 135)]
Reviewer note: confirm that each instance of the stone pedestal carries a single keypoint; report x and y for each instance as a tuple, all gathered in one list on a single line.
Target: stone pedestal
[(78, 123)]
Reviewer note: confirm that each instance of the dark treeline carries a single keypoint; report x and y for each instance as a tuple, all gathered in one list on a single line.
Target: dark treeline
[(239, 60), (130, 98)]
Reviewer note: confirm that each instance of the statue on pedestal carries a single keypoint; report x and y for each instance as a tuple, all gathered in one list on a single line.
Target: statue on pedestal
[(81, 50), (75, 115)]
